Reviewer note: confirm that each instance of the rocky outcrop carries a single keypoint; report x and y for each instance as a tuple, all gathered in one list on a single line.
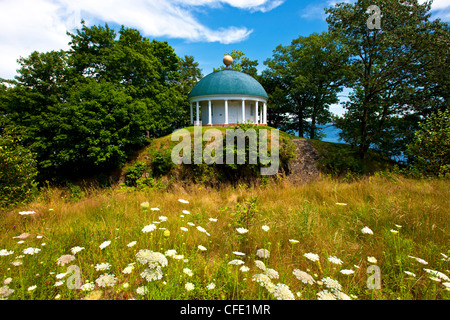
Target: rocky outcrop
[(303, 168)]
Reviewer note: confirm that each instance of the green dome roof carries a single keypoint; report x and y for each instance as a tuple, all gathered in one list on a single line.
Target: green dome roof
[(228, 82)]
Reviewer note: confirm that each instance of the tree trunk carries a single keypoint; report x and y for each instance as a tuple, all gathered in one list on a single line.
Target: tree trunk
[(313, 127), (300, 122), (363, 144)]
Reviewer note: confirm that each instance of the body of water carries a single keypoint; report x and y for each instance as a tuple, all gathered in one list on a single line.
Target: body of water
[(331, 133)]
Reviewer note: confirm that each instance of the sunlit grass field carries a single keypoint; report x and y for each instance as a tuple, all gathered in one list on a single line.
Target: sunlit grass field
[(197, 243)]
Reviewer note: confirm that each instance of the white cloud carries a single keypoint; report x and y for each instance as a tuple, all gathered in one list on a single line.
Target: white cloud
[(252, 5), (313, 11), (41, 25), (440, 9), (317, 10)]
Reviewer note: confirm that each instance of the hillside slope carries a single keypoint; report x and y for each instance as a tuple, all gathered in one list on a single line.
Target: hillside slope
[(301, 161)]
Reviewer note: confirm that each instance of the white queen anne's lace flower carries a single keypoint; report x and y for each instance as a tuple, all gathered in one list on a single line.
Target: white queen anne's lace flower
[(261, 278), (148, 228), (67, 258), (88, 286), (241, 230), (335, 260), (151, 274), (303, 276), (102, 266), (244, 268), (311, 256), (5, 252), (282, 292), (26, 212), (419, 260), (131, 244), (325, 295), (366, 230), (201, 229), (259, 264), (104, 244), (128, 269), (263, 253), (347, 271), (439, 275), (188, 272), (331, 283), (272, 274), (106, 280), (5, 291), (151, 258), (76, 249), (189, 286), (372, 259), (170, 253), (31, 251), (142, 290)]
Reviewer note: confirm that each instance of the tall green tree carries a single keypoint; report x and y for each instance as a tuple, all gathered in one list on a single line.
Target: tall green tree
[(387, 65), (303, 80), (190, 74), (86, 110)]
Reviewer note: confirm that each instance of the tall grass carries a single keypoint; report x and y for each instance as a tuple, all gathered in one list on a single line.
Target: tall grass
[(409, 219)]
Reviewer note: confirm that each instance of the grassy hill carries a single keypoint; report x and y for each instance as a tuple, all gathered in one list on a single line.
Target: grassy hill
[(154, 161)]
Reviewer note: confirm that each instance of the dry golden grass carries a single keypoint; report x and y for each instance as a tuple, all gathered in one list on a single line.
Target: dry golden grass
[(313, 214)]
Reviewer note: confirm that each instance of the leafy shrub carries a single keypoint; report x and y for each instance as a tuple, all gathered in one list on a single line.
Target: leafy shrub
[(72, 192), (161, 161), (246, 213), (134, 173), (429, 152), (340, 162), (17, 170)]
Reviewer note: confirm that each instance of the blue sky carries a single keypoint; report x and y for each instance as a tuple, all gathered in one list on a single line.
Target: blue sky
[(205, 29)]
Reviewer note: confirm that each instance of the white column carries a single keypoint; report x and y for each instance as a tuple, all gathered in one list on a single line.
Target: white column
[(226, 111), (265, 113), (261, 114), (192, 113), (243, 110), (209, 112), (198, 113), (256, 112)]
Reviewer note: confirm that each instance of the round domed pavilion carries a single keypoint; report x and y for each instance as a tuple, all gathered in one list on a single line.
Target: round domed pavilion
[(227, 97)]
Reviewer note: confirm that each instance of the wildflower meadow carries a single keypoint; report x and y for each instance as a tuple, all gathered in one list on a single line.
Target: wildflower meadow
[(375, 238)]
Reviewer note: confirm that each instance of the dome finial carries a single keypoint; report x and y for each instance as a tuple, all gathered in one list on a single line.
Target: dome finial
[(227, 61)]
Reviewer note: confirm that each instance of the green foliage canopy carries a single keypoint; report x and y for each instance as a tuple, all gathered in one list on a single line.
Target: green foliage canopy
[(86, 110), (17, 168), (303, 79), (397, 72), (429, 151)]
